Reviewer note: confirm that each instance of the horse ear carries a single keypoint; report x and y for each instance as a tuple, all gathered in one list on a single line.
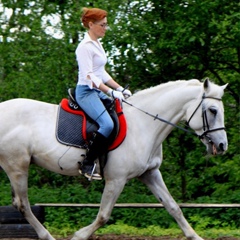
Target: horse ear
[(224, 86), (206, 83)]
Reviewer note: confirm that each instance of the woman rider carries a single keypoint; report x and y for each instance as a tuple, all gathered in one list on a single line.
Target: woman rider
[(94, 85)]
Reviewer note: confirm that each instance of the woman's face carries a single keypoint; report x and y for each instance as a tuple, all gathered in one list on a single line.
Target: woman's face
[(99, 28)]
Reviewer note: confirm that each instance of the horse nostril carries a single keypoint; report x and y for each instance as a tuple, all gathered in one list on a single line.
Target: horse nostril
[(221, 146)]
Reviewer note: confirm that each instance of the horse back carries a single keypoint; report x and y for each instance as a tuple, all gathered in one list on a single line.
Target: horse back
[(22, 117), (22, 108)]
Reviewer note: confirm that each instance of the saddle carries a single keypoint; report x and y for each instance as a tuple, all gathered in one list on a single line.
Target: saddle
[(74, 127)]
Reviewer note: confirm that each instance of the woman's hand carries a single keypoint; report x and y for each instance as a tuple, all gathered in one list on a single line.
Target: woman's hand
[(127, 93), (116, 94)]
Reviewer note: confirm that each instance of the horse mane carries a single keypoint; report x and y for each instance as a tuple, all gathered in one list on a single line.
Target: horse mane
[(169, 85)]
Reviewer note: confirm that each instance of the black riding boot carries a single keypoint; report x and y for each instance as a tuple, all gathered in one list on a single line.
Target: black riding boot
[(97, 147)]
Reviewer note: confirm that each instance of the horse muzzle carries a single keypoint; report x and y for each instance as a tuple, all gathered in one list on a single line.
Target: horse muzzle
[(214, 148)]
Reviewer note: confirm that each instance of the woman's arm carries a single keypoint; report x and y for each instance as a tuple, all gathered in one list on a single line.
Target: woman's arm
[(109, 84)]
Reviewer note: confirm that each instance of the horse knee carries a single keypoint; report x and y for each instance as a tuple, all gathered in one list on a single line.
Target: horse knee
[(19, 206), (175, 210), (17, 203)]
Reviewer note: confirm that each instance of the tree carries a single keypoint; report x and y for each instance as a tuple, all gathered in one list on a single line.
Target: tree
[(149, 42)]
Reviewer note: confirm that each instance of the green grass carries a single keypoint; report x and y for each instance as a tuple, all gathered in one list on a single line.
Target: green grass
[(120, 228)]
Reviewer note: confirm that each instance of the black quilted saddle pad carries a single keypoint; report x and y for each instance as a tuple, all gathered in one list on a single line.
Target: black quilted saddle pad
[(70, 129)]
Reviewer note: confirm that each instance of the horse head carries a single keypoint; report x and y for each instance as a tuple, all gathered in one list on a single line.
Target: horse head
[(207, 120)]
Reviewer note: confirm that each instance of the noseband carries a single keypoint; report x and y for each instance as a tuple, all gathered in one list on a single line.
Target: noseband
[(206, 127)]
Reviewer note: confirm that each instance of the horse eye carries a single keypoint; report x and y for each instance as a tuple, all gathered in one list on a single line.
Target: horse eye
[(213, 111)]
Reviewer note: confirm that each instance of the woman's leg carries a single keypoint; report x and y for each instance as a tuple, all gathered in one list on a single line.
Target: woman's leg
[(89, 100)]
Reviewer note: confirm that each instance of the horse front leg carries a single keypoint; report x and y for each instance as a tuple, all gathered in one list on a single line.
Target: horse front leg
[(111, 192), (153, 179)]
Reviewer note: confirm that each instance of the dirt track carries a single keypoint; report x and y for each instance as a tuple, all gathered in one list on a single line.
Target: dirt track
[(125, 237)]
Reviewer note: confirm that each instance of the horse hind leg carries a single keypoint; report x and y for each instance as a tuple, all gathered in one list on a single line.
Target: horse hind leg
[(19, 181), (153, 179)]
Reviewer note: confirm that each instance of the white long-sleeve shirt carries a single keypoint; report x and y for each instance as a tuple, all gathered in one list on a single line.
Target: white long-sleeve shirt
[(91, 59)]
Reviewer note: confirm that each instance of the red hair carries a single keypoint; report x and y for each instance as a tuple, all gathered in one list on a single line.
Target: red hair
[(92, 15)]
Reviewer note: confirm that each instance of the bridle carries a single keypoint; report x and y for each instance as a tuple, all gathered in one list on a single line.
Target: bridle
[(206, 127)]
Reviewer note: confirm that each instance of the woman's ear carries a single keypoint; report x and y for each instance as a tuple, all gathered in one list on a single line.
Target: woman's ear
[(90, 24)]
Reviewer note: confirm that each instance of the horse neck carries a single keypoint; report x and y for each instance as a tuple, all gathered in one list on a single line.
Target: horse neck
[(168, 101)]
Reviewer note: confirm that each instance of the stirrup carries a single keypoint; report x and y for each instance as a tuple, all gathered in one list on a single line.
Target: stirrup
[(92, 176)]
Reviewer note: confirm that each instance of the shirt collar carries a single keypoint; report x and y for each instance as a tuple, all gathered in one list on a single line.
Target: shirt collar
[(87, 38)]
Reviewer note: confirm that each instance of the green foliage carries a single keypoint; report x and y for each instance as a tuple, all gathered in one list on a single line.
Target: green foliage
[(120, 229), (151, 230), (149, 42)]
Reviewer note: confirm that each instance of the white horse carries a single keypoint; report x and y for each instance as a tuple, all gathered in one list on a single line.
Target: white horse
[(27, 130)]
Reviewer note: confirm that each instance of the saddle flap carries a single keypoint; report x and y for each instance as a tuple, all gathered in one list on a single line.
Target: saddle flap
[(71, 125), (122, 126), (74, 127)]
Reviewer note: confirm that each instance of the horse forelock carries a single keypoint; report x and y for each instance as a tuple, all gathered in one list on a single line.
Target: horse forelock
[(214, 90)]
